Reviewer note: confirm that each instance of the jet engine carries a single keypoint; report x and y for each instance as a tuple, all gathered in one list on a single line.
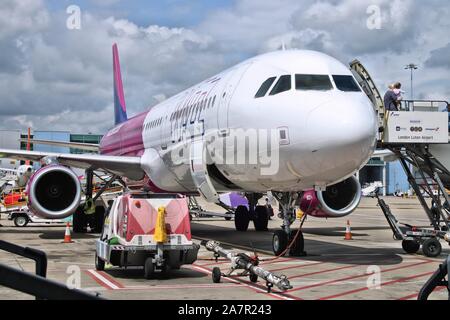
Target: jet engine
[(336, 201), (54, 192)]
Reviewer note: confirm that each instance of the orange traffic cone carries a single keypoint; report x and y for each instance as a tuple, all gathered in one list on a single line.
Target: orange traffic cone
[(67, 236), (348, 231)]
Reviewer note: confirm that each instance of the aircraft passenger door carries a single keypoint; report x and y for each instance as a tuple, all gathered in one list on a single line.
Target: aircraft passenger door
[(197, 163), (370, 89), (231, 82)]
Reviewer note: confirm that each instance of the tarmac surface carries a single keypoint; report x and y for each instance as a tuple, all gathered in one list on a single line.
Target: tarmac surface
[(334, 268)]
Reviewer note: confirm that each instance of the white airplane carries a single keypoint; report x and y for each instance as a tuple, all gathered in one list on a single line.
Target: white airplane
[(320, 128), (20, 176)]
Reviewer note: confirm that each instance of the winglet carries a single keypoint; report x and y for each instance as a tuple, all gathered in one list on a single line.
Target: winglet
[(120, 109)]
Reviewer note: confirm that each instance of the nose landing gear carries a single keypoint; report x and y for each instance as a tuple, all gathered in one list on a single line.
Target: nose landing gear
[(286, 239)]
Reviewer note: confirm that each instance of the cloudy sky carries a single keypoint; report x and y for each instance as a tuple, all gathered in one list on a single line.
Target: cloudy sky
[(53, 77)]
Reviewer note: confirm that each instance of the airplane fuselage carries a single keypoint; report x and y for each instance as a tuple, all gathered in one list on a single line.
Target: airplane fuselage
[(319, 123)]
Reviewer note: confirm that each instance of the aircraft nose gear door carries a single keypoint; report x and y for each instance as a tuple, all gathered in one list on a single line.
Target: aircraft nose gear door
[(198, 162)]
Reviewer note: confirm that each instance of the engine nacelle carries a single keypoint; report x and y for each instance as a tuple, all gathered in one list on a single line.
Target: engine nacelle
[(54, 192), (336, 201)]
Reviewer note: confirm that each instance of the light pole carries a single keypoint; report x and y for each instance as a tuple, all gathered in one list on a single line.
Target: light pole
[(412, 67)]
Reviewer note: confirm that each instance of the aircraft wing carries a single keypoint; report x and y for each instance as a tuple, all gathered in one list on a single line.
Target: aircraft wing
[(129, 167), (75, 145)]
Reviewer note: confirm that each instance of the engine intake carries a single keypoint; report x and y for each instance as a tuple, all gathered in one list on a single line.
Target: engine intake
[(336, 201), (54, 192)]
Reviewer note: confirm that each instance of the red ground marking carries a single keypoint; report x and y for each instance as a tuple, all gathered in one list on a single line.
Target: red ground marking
[(111, 279), (182, 286), (277, 260), (96, 279), (214, 263), (296, 266), (323, 271), (356, 276), (382, 284)]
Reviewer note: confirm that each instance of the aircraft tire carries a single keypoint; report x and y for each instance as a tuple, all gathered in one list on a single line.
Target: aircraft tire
[(261, 218), (279, 242), (79, 221), (98, 219), (241, 218), (297, 248)]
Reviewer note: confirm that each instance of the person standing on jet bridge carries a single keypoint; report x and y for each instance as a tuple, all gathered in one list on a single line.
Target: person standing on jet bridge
[(392, 97)]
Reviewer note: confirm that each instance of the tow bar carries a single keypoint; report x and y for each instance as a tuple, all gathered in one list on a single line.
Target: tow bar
[(248, 264)]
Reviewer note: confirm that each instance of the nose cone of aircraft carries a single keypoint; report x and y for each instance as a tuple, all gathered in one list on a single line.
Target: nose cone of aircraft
[(341, 136)]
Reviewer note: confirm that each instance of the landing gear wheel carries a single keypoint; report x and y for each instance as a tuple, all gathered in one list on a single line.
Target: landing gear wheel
[(261, 218), (410, 246), (253, 278), (98, 219), (297, 248), (79, 221), (20, 221), (216, 274), (228, 218), (149, 268), (432, 248), (99, 263), (279, 242), (241, 218)]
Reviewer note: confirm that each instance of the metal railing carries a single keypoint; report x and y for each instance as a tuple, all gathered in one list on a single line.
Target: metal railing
[(37, 284), (424, 105)]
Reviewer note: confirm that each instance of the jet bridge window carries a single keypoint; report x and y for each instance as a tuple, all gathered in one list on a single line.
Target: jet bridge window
[(283, 84), (346, 83), (265, 87), (312, 82)]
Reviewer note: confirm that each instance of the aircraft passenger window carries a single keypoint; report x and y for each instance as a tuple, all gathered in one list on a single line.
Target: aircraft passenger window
[(346, 83), (283, 84), (264, 87), (312, 82)]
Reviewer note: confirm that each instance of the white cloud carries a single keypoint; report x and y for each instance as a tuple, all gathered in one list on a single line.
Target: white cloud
[(57, 78)]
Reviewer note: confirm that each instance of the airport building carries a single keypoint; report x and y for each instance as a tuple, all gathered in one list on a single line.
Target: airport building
[(15, 139), (390, 174)]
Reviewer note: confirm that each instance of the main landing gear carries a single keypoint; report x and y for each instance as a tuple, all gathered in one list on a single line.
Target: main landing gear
[(88, 213), (282, 239), (286, 236), (259, 214)]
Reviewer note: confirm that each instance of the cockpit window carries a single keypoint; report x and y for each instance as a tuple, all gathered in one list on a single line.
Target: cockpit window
[(312, 82), (346, 83), (283, 84), (265, 87)]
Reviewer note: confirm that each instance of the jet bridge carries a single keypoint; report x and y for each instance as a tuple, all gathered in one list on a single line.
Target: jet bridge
[(418, 136)]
